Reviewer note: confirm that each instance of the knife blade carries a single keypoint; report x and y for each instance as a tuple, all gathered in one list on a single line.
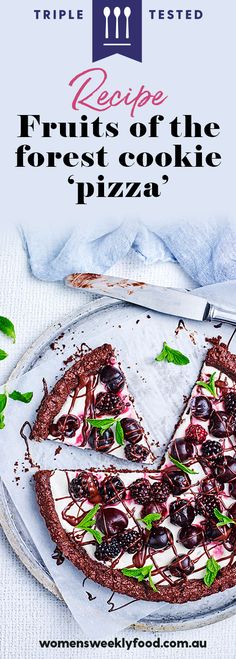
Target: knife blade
[(171, 301)]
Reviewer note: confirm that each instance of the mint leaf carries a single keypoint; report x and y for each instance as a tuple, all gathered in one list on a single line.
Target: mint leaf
[(149, 519), (102, 424), (23, 398), (3, 402), (212, 569), (89, 517), (210, 386), (88, 522), (119, 433), (3, 354), (223, 519), (7, 327), (140, 574), (181, 466), (163, 354), (172, 356), (96, 534), (151, 582)]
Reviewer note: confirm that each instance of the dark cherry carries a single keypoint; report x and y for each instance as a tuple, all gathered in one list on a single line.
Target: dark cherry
[(181, 566), (133, 431), (66, 426), (111, 521), (226, 472), (159, 538), (232, 489), (181, 512), (191, 536), (208, 485), (112, 489), (101, 443), (201, 407), (112, 378), (178, 481), (181, 450), (212, 532), (232, 511), (153, 507), (219, 424)]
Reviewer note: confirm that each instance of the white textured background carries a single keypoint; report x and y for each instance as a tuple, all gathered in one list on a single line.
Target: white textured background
[(28, 612)]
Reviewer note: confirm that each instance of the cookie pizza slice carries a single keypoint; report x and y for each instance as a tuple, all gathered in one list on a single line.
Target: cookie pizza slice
[(90, 407), (159, 535)]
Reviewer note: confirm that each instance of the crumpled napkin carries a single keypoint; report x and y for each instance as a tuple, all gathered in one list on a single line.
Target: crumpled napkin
[(206, 251)]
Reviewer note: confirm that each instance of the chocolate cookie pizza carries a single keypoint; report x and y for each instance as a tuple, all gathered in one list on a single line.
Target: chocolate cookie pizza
[(90, 407), (168, 534)]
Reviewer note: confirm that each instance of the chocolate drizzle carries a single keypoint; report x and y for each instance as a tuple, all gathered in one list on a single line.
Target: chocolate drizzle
[(58, 556), (28, 455)]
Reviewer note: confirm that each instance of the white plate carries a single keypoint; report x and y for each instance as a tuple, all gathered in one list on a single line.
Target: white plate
[(117, 322)]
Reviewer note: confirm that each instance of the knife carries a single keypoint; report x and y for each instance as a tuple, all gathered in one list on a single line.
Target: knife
[(174, 302)]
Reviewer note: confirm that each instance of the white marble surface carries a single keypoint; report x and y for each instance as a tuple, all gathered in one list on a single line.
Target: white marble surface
[(28, 613)]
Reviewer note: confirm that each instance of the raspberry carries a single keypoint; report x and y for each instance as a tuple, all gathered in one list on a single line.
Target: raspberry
[(112, 489), (107, 403), (107, 549), (130, 541), (230, 402), (211, 449), (160, 491), (196, 433), (205, 505), (141, 491), (136, 453)]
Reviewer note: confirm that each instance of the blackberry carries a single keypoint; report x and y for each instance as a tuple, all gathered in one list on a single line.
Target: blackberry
[(205, 505), (112, 489), (107, 403), (107, 549), (141, 491), (136, 453), (130, 541), (230, 402), (211, 449), (160, 491), (84, 486)]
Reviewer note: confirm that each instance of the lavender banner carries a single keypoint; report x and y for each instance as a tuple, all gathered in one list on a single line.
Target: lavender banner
[(117, 28)]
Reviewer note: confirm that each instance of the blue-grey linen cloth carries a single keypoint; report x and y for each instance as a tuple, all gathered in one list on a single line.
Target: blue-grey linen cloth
[(206, 252)]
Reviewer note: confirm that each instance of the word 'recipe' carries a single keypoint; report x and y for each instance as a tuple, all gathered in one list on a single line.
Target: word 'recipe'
[(91, 93)]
